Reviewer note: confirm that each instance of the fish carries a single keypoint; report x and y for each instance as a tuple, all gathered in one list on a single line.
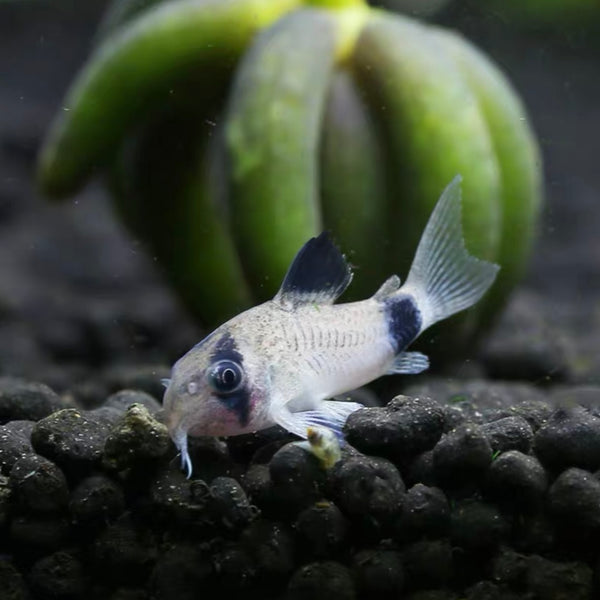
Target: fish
[(285, 361)]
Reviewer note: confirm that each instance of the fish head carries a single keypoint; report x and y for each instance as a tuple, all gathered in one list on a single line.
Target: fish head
[(215, 389)]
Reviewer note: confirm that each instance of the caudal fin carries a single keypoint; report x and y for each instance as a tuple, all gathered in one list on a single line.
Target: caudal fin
[(444, 278)]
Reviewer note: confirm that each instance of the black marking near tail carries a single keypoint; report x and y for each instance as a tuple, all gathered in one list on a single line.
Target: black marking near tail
[(238, 401), (319, 274), (404, 321)]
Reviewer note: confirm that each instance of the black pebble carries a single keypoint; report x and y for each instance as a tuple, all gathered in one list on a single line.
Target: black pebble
[(15, 442), (59, 576), (176, 502), (322, 530), (127, 593), (378, 573), (5, 503), (488, 590), (71, 439), (368, 490), (124, 553), (461, 455), (180, 572), (399, 431), (571, 438), (38, 485), (552, 580), (534, 410), (574, 503), (297, 479), (516, 481), (234, 569), (425, 513), (321, 581), (428, 563), (259, 487), (229, 503), (509, 433), (33, 535), (96, 501), (420, 470), (509, 568), (211, 459), (12, 583), (271, 547), (477, 527), (22, 400), (255, 447), (123, 399), (141, 378), (432, 595), (136, 440)]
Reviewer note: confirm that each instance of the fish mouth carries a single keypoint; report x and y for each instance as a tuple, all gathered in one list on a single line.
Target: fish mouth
[(180, 439)]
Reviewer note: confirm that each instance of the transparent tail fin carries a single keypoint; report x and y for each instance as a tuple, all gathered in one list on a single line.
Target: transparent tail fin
[(444, 278)]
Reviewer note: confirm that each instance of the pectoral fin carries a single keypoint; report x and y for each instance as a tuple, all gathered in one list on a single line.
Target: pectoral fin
[(330, 414)]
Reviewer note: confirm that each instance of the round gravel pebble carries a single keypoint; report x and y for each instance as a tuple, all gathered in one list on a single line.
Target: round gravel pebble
[(234, 568), (571, 438), (71, 439), (399, 431), (38, 485), (229, 503), (378, 573), (137, 439), (124, 553), (321, 581), (509, 433), (32, 535), (11, 580), (428, 564), (516, 481), (461, 455), (297, 479), (421, 470), (552, 580), (15, 442), (123, 399), (271, 547), (369, 490), (574, 503), (5, 501), (59, 576), (96, 501), (477, 527), (176, 502), (322, 530), (509, 568), (22, 400), (432, 595), (180, 572), (425, 513), (145, 379)]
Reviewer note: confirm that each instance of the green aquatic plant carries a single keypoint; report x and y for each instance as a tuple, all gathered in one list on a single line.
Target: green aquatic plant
[(231, 131)]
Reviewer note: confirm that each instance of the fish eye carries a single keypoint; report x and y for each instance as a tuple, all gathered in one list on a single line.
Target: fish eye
[(225, 376)]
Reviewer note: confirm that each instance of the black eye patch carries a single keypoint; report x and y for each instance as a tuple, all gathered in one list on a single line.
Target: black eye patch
[(225, 377)]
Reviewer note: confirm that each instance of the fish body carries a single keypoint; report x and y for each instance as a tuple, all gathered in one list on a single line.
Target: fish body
[(281, 361)]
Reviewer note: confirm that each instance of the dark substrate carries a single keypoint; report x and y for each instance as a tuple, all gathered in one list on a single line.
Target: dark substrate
[(462, 490)]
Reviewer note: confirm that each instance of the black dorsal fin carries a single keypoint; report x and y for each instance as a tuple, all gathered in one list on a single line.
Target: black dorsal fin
[(319, 274)]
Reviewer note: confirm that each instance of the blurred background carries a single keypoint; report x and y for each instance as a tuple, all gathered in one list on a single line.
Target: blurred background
[(83, 307)]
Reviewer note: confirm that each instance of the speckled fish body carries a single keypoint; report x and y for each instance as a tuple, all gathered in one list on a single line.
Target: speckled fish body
[(280, 362)]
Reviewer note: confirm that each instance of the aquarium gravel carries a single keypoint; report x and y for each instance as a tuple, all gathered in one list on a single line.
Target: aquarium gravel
[(438, 495)]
